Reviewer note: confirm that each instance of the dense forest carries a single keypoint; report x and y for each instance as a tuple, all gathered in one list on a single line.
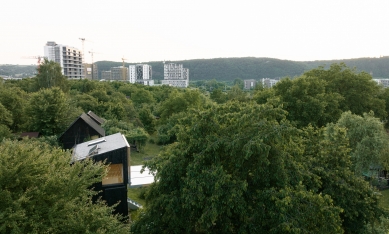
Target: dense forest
[(305, 156), (229, 69)]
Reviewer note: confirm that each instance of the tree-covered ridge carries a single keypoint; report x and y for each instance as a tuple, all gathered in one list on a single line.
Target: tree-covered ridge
[(229, 69)]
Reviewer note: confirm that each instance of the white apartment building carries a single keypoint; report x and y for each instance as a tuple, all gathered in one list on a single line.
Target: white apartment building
[(69, 58), (175, 75), (268, 83), (383, 82), (141, 74)]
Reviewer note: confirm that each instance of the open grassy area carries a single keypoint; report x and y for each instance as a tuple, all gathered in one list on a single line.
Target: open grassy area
[(149, 151), (137, 194), (384, 200)]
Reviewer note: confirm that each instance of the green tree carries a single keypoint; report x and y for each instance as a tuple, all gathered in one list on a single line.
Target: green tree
[(180, 101), (49, 111), (329, 166), (147, 119), (239, 82), (218, 96), (234, 169), (50, 75), (42, 193), (5, 116), (360, 92), (307, 102), (15, 102), (142, 96), (368, 141)]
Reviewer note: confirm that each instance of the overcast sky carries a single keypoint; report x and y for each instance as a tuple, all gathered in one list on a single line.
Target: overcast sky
[(145, 30)]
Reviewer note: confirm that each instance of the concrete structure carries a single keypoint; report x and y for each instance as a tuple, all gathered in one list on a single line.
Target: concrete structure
[(175, 75), (69, 58), (117, 73), (249, 84), (105, 75), (382, 82), (88, 71), (268, 83), (141, 74)]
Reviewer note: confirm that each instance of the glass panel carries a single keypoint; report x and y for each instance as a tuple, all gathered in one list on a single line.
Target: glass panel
[(115, 174)]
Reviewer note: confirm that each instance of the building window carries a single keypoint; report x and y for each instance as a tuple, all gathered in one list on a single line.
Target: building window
[(114, 175)]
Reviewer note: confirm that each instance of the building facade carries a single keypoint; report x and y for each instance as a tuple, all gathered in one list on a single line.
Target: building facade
[(175, 75), (119, 73), (113, 150), (105, 75), (249, 84), (69, 58), (268, 83), (383, 82), (141, 74)]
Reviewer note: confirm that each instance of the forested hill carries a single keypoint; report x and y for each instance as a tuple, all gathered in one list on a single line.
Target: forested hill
[(228, 69)]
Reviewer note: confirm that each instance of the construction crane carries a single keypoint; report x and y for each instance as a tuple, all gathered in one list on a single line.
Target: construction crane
[(38, 57), (93, 67), (124, 70)]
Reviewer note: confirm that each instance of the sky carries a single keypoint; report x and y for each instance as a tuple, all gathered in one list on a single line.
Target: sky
[(171, 30)]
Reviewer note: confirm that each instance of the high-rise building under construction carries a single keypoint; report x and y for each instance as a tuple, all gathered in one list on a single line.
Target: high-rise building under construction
[(70, 59)]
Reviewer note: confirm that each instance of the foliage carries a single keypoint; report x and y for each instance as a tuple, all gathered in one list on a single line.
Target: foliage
[(218, 96), (236, 93), (134, 135), (15, 102), (49, 111), (5, 132), (147, 119), (329, 165), (50, 75), (180, 101), (42, 193), (360, 93), (306, 100), (234, 170), (5, 116), (368, 141)]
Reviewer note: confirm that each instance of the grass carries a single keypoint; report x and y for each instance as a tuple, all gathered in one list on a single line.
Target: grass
[(148, 151), (384, 199), (136, 194)]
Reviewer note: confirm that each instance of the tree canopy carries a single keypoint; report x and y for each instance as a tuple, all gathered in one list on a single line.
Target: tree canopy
[(243, 168), (42, 193)]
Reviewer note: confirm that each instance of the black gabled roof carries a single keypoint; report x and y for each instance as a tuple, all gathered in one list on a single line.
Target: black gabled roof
[(96, 118), (88, 120), (93, 124)]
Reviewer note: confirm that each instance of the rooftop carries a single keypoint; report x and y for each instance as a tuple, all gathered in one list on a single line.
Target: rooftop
[(99, 146)]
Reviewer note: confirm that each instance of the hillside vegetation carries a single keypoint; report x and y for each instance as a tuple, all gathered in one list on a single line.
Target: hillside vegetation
[(229, 69)]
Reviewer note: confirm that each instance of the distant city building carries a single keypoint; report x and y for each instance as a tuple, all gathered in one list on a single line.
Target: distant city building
[(268, 83), (383, 82), (175, 75), (69, 58), (117, 73), (95, 74), (249, 84), (141, 74), (88, 71), (105, 75)]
